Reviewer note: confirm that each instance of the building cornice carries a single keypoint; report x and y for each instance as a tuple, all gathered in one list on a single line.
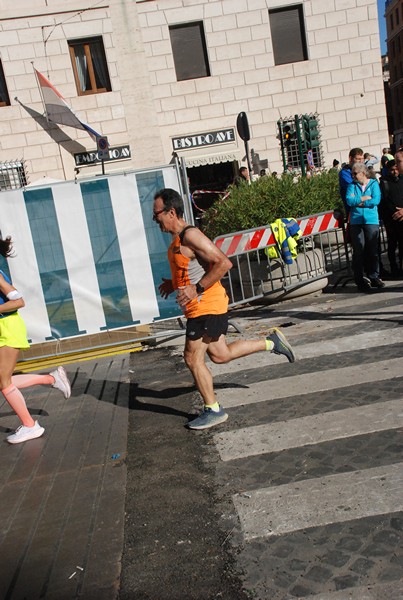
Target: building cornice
[(10, 15)]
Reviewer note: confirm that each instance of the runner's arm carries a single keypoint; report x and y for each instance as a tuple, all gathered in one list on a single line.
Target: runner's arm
[(11, 304), (205, 249)]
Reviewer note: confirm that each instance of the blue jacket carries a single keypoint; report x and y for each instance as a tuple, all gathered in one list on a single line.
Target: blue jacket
[(345, 178), (368, 214)]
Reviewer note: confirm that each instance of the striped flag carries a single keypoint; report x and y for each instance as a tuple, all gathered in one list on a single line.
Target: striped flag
[(57, 109)]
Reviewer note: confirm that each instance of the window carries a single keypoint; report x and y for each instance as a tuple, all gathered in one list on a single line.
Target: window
[(13, 175), (288, 35), (397, 16), (4, 98), (189, 51), (89, 66), (391, 20)]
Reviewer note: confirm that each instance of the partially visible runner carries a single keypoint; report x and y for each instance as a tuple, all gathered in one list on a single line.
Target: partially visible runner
[(197, 266), (13, 338)]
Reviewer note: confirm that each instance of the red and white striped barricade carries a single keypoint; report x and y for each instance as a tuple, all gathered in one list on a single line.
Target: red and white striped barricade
[(254, 276), (233, 244)]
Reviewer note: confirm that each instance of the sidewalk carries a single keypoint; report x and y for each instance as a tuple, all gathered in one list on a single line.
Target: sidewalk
[(62, 496)]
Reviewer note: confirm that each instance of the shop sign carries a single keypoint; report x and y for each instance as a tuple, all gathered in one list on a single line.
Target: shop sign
[(83, 159), (204, 139), (213, 159)]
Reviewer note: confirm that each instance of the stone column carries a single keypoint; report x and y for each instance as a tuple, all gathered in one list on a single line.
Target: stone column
[(137, 94)]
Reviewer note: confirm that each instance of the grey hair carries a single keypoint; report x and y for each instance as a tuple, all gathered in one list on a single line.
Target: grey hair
[(361, 168)]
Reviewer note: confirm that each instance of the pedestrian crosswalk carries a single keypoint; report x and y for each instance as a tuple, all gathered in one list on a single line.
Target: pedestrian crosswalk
[(341, 405)]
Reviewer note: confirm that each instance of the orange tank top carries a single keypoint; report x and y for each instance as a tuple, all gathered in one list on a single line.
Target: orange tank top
[(186, 271)]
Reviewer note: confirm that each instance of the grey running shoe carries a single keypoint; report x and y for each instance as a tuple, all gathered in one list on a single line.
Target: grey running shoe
[(23, 434), (62, 382), (281, 346), (208, 418)]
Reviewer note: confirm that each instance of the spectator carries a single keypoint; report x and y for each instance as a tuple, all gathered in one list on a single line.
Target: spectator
[(370, 160), (386, 156), (345, 178), (242, 176), (363, 197), (335, 166), (392, 212)]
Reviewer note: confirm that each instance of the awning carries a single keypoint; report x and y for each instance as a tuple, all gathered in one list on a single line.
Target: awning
[(211, 159)]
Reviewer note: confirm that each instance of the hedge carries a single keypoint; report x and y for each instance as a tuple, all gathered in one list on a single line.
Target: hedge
[(270, 198)]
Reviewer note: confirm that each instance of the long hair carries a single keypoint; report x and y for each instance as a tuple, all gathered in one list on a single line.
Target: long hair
[(6, 247)]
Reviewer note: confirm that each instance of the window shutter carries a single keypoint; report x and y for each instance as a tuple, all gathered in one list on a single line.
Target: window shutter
[(288, 35), (189, 51)]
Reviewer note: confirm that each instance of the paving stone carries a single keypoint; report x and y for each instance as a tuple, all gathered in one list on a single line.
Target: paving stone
[(362, 566), (320, 574), (376, 550), (336, 559), (297, 565), (349, 543), (299, 591), (345, 581), (387, 537), (397, 523)]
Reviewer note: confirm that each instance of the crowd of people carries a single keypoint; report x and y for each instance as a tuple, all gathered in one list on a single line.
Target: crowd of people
[(370, 196)]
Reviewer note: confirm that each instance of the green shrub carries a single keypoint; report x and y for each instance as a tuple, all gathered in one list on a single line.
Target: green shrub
[(268, 199)]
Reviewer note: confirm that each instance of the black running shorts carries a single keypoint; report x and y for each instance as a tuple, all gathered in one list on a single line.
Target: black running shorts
[(211, 325)]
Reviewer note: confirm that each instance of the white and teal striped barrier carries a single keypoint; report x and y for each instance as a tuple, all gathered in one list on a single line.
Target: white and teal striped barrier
[(88, 257)]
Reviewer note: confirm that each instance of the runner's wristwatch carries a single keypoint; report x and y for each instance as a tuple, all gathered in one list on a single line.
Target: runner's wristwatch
[(199, 288)]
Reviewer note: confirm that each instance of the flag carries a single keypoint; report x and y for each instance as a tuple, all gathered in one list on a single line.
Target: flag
[(57, 109)]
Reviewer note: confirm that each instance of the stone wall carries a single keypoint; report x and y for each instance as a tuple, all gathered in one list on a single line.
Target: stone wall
[(342, 80)]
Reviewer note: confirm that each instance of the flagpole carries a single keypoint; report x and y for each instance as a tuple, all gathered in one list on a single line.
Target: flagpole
[(45, 112)]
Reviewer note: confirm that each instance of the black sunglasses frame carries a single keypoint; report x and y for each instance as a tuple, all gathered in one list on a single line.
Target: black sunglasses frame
[(158, 212)]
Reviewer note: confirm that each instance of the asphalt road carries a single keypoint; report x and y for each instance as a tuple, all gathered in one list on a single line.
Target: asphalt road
[(300, 493)]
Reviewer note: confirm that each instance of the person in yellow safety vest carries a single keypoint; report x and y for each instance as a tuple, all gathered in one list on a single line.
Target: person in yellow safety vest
[(286, 233)]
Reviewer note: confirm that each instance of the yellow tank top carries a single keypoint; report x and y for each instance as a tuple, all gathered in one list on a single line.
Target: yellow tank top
[(186, 271)]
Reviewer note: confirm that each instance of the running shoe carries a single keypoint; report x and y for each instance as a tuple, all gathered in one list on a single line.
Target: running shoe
[(281, 346), (23, 434), (208, 418), (62, 382)]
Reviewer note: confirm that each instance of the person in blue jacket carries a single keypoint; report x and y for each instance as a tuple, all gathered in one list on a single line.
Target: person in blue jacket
[(362, 197), (355, 155)]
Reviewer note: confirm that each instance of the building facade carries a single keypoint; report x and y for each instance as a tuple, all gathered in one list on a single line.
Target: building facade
[(159, 77), (394, 30)]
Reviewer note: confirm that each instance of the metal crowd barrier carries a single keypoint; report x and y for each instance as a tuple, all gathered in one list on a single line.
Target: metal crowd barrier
[(322, 250)]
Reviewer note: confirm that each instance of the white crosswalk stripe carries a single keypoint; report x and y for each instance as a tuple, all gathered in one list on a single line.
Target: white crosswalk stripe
[(274, 437), (309, 383), (314, 502)]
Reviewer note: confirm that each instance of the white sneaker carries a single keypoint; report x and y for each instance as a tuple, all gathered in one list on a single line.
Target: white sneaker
[(23, 434), (62, 382)]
